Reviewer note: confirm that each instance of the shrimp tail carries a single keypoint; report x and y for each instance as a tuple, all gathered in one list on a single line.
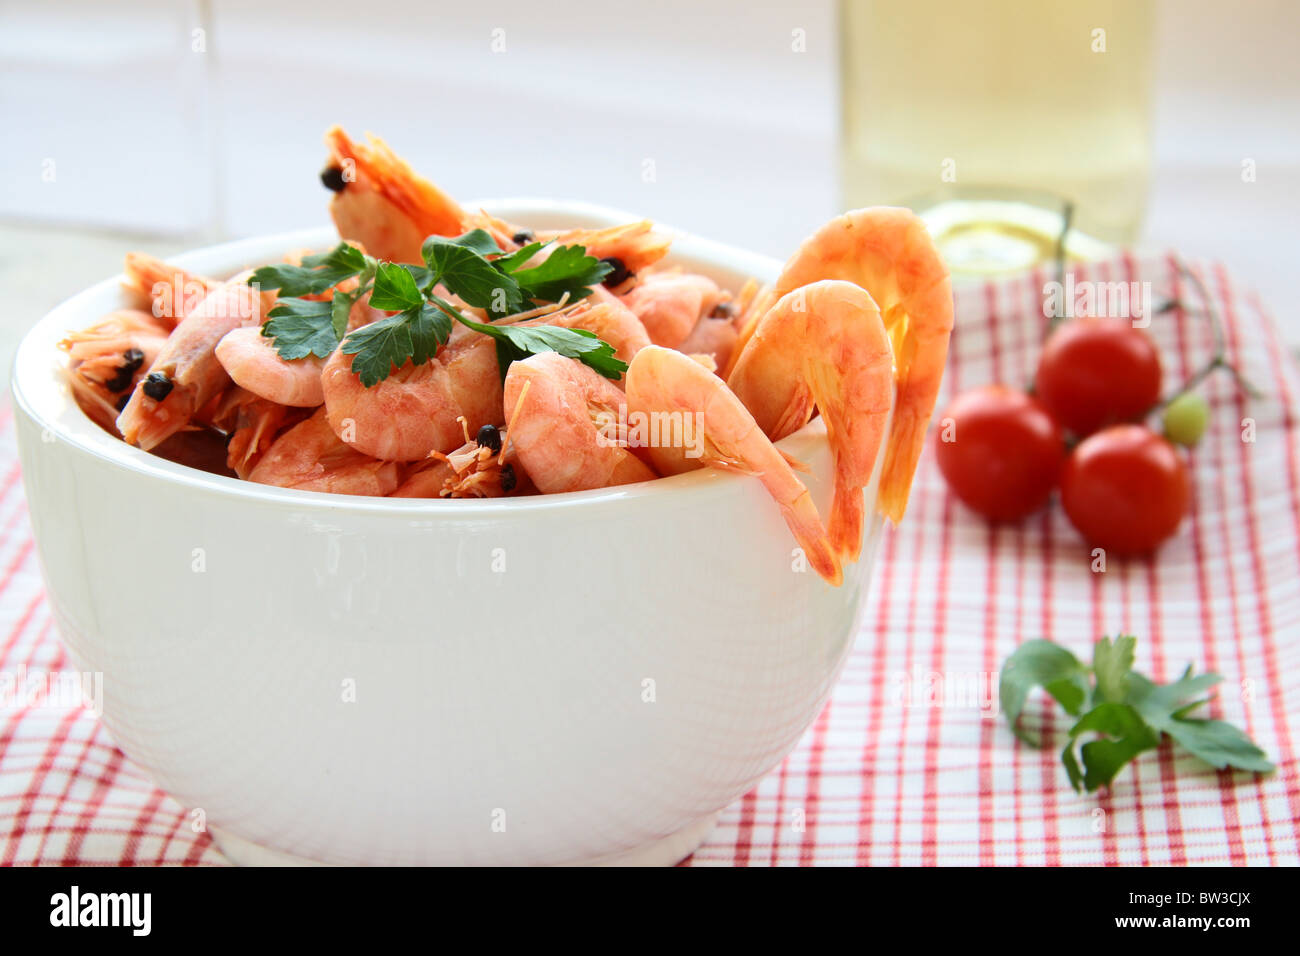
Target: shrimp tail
[(805, 524), (906, 435), (847, 512)]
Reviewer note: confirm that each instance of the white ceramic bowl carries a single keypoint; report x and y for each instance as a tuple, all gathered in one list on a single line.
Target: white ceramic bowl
[(574, 678)]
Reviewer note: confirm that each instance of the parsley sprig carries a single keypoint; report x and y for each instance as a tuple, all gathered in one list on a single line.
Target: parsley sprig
[(1127, 713), (422, 319)]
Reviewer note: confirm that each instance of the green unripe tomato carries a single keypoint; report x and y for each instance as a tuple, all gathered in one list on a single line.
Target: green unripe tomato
[(1186, 418)]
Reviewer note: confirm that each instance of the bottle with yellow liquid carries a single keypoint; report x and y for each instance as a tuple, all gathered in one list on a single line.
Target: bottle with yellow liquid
[(998, 119)]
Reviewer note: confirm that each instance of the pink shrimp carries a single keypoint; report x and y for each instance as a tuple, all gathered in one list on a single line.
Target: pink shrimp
[(250, 359), (605, 317), (664, 382), (889, 253), (416, 409), (671, 304), (310, 457), (473, 470), (186, 373), (564, 428), (824, 345), (106, 360), (714, 336)]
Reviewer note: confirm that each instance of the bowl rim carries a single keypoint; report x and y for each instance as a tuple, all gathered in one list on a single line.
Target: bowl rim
[(35, 395)]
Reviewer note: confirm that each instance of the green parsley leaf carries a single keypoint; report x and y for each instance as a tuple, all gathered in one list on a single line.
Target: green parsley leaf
[(387, 344), (1216, 742), (422, 321), (517, 258), (1124, 736), (316, 274), (578, 344), (1129, 712), (461, 268), (476, 240), (395, 289), (302, 327), (341, 310), (1112, 662), (568, 269), (1039, 663)]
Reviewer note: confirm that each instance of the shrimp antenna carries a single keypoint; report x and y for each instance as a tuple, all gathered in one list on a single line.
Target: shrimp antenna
[(514, 414)]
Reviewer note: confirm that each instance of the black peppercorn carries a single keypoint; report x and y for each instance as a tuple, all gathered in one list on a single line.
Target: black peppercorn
[(723, 310), (332, 178), (132, 359), (620, 273), (489, 436), (522, 238), (508, 480), (157, 385)]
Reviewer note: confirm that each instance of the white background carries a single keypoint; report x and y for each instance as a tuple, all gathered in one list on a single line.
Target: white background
[(156, 145)]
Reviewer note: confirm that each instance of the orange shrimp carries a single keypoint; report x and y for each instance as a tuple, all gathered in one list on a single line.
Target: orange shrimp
[(561, 429), (416, 409), (664, 382), (106, 360), (186, 374), (172, 291), (824, 345), (382, 203), (888, 252), (251, 424), (310, 457), (636, 245)]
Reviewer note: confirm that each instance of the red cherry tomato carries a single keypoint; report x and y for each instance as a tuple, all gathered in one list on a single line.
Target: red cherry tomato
[(1125, 489), (1096, 372), (1000, 451)]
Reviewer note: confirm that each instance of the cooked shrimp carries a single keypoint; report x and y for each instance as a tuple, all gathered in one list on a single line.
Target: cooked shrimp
[(824, 345), (605, 317), (565, 425), (250, 359), (310, 457), (107, 359), (415, 410), (751, 305), (114, 349), (172, 291), (484, 467), (186, 373), (671, 304), (252, 424), (635, 245), (382, 203), (662, 382), (714, 336), (507, 235), (889, 253)]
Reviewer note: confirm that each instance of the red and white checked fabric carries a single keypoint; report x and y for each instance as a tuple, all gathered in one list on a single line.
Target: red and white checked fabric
[(887, 775)]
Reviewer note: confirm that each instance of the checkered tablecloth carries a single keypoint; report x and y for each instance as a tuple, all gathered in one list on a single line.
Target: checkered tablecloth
[(909, 763)]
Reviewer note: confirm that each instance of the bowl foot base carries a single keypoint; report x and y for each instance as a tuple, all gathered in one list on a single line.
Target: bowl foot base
[(662, 852)]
